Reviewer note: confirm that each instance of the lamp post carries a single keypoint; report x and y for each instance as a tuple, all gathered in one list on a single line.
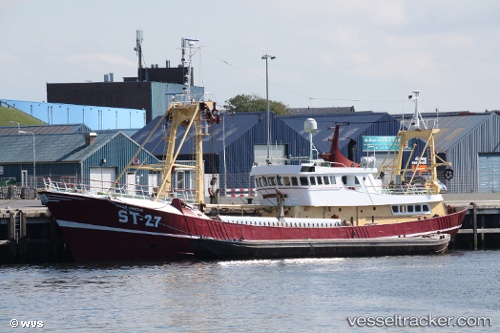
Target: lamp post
[(34, 156), (15, 122), (267, 56)]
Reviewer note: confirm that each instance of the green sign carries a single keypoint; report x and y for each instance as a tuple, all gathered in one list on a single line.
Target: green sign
[(380, 143)]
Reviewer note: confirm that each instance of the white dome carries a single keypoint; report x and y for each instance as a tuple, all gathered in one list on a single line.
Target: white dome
[(310, 125)]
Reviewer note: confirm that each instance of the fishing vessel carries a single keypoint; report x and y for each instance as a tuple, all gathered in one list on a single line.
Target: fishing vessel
[(301, 205), (321, 203)]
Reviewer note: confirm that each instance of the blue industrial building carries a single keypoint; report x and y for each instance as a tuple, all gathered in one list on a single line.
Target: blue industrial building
[(94, 117), (232, 147), (151, 98), (77, 157), (470, 141)]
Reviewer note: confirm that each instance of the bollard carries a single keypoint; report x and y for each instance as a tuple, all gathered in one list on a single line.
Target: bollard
[(474, 224)]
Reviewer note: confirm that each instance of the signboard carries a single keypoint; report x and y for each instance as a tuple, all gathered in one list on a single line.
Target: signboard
[(381, 143), (419, 163)]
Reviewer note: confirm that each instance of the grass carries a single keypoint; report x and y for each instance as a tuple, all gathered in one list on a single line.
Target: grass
[(15, 115)]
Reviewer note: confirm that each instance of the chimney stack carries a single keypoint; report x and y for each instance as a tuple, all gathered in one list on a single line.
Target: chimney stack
[(90, 138)]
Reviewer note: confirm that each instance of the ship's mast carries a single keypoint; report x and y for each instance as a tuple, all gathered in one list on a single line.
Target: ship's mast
[(187, 44), (410, 132), (417, 122)]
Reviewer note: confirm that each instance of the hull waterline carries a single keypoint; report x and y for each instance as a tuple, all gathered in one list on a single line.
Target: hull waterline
[(104, 229), (327, 248)]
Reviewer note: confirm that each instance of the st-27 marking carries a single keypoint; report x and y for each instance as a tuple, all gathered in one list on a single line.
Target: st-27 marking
[(125, 216)]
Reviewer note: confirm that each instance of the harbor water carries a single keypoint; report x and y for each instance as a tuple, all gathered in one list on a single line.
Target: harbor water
[(454, 292)]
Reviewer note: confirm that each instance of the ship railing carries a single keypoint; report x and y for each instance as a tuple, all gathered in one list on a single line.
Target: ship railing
[(99, 188), (127, 190), (405, 189), (332, 164), (295, 160)]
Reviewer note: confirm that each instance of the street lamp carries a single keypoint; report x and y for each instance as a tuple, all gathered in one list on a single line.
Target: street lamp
[(34, 154), (267, 56), (15, 122)]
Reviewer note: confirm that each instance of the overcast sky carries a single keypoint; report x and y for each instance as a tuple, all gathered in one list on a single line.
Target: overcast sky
[(362, 53)]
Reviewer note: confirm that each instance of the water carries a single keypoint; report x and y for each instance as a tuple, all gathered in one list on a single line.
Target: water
[(305, 295)]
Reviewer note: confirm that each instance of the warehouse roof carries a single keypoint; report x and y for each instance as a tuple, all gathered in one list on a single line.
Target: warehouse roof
[(69, 147), (453, 125), (45, 129)]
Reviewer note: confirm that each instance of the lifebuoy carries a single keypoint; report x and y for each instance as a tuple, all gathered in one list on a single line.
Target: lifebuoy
[(448, 174)]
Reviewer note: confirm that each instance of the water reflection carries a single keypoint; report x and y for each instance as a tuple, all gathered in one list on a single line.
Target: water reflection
[(292, 295)]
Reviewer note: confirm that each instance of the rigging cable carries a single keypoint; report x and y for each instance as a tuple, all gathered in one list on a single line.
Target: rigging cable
[(310, 98)]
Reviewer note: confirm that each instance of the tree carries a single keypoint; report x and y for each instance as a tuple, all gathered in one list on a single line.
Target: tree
[(254, 103)]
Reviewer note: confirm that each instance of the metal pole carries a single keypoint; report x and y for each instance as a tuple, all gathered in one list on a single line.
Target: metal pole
[(34, 161), (267, 56), (268, 114), (474, 224)]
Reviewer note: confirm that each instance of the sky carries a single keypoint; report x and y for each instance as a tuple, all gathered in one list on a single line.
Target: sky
[(362, 53)]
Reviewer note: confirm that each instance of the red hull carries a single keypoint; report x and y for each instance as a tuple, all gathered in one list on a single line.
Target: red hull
[(99, 229)]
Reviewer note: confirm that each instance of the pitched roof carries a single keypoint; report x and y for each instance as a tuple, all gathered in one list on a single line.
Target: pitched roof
[(355, 125), (327, 110), (453, 126), (233, 125), (69, 147), (45, 129)]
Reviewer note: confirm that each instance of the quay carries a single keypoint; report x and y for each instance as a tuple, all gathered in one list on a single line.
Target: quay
[(481, 226), (29, 234)]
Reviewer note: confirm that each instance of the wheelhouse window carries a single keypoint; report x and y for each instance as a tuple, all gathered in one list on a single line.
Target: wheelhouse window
[(313, 180), (286, 180), (320, 180), (410, 209), (350, 180), (259, 182), (326, 180), (294, 181), (303, 181)]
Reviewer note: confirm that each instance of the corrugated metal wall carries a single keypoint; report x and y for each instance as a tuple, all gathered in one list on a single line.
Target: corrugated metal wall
[(240, 154), (464, 154), (489, 173), (118, 152), (288, 131)]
